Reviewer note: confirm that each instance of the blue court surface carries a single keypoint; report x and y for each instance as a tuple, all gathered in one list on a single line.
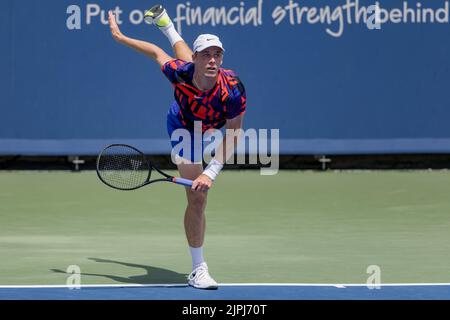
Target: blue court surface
[(439, 291)]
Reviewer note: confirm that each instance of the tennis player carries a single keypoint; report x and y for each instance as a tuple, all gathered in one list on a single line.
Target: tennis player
[(203, 92)]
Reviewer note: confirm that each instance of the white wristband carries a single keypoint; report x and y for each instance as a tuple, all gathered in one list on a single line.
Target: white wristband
[(213, 169)]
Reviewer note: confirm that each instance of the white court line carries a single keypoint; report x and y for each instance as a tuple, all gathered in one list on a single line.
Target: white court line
[(343, 285), (337, 285), (92, 286)]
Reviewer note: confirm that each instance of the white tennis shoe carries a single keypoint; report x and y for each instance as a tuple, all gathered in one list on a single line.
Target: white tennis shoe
[(200, 278), (157, 15)]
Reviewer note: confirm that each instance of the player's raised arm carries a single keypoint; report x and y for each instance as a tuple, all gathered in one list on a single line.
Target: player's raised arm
[(147, 48)]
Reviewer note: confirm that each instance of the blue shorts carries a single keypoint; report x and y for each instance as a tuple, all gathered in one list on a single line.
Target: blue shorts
[(190, 150)]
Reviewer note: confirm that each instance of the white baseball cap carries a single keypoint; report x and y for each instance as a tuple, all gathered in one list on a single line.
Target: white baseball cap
[(205, 41)]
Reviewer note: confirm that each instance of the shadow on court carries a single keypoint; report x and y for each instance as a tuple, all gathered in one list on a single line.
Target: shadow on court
[(153, 275)]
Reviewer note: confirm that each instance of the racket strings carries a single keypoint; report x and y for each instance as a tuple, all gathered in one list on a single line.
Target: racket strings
[(123, 167)]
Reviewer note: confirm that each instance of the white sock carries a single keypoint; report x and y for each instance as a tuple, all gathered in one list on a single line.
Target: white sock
[(197, 256), (171, 33), (165, 24)]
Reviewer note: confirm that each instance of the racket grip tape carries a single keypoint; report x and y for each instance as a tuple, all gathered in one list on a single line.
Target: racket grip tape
[(184, 182)]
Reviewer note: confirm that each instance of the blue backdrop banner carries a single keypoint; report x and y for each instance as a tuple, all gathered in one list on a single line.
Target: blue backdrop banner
[(335, 77)]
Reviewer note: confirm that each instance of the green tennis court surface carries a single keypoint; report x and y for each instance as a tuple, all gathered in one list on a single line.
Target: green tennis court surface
[(295, 227)]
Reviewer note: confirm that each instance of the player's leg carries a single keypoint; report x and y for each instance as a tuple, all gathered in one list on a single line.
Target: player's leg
[(195, 224), (158, 15), (194, 219), (182, 51)]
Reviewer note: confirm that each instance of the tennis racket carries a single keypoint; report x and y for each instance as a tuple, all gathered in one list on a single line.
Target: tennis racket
[(124, 167)]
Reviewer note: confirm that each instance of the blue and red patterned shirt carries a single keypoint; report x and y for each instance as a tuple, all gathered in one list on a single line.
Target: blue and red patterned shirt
[(226, 100)]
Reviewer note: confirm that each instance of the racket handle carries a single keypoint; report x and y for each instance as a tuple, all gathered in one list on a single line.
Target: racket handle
[(184, 182)]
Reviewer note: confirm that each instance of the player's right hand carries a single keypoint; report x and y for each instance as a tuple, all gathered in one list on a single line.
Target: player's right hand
[(115, 31), (203, 183)]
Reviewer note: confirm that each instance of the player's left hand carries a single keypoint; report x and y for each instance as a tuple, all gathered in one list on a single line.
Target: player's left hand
[(114, 27), (202, 183)]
